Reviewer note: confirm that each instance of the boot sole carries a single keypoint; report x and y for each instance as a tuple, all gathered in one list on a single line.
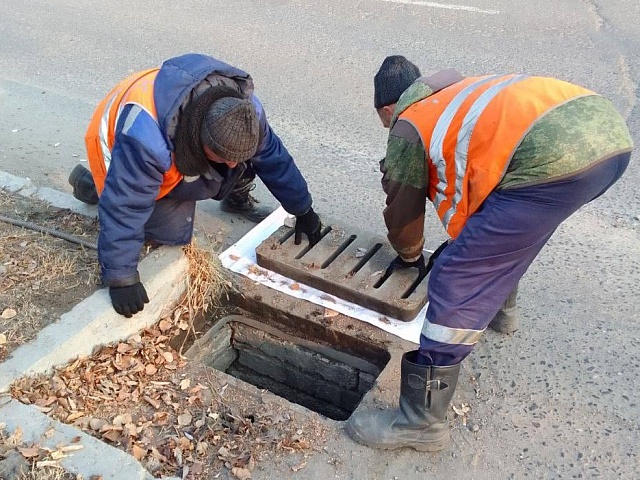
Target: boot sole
[(74, 177), (77, 171), (435, 446)]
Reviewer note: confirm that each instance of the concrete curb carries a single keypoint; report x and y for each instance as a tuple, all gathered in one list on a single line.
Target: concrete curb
[(56, 198), (95, 458)]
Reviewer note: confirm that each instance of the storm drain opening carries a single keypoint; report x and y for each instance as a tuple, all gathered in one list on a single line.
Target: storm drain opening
[(324, 379)]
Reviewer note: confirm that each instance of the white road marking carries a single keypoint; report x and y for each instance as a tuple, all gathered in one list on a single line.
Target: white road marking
[(445, 5)]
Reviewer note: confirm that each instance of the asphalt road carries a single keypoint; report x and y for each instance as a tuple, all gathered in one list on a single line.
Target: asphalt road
[(313, 65)]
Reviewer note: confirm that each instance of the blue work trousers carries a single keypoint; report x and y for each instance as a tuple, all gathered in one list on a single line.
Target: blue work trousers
[(475, 274)]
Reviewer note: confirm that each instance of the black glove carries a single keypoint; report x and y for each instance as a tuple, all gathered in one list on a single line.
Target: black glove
[(128, 300), (399, 263), (310, 225)]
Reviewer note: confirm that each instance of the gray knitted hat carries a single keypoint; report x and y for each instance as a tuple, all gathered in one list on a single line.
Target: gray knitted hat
[(231, 129), (396, 74)]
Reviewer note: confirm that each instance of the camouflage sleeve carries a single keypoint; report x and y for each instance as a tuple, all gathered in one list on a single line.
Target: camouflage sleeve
[(405, 181)]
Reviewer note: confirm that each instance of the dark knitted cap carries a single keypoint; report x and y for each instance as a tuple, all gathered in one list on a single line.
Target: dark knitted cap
[(396, 74), (231, 129)]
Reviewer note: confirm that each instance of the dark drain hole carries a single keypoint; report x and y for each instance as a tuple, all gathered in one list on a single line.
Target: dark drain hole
[(339, 250), (306, 249), (363, 261), (299, 374), (287, 235), (412, 287)]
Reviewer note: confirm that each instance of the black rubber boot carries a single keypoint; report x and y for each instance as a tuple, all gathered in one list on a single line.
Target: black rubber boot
[(242, 202), (420, 421), (84, 189), (506, 320)]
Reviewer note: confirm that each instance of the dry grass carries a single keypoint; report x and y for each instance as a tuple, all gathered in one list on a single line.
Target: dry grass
[(208, 281), (207, 284), (41, 276), (46, 473)]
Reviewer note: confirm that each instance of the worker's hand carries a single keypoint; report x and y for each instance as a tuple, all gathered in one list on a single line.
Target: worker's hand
[(399, 263), (128, 300), (310, 225)]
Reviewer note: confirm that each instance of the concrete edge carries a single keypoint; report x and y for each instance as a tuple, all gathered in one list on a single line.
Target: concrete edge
[(56, 198), (89, 324), (94, 458), (93, 322)]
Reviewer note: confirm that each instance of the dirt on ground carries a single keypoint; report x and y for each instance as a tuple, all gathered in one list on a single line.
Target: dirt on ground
[(22, 461), (140, 395), (175, 417), (41, 276)]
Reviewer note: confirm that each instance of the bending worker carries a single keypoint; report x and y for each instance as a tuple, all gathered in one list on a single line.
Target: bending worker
[(504, 159), (163, 139)]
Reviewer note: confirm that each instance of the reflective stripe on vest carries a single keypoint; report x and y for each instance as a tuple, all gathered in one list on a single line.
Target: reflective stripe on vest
[(134, 90), (452, 336), (470, 131)]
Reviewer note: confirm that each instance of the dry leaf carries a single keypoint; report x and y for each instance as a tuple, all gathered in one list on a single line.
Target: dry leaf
[(185, 419), (184, 384), (152, 402), (57, 455), (97, 424), (182, 325), (120, 420), (462, 410), (150, 369), (3, 339), (15, 438), (241, 473), (111, 435), (202, 448), (29, 452), (74, 416), (8, 313), (299, 467), (235, 258), (138, 452), (164, 325), (328, 313), (71, 448), (168, 356)]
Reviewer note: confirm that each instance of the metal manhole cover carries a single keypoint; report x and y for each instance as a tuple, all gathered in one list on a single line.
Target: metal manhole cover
[(349, 264)]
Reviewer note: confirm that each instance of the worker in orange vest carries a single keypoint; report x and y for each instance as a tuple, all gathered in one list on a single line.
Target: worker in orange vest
[(167, 137), (504, 159)]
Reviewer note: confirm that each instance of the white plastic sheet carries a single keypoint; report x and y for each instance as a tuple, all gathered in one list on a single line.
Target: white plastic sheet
[(241, 258)]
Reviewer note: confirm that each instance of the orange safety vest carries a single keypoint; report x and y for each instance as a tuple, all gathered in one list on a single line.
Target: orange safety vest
[(470, 131), (100, 137)]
